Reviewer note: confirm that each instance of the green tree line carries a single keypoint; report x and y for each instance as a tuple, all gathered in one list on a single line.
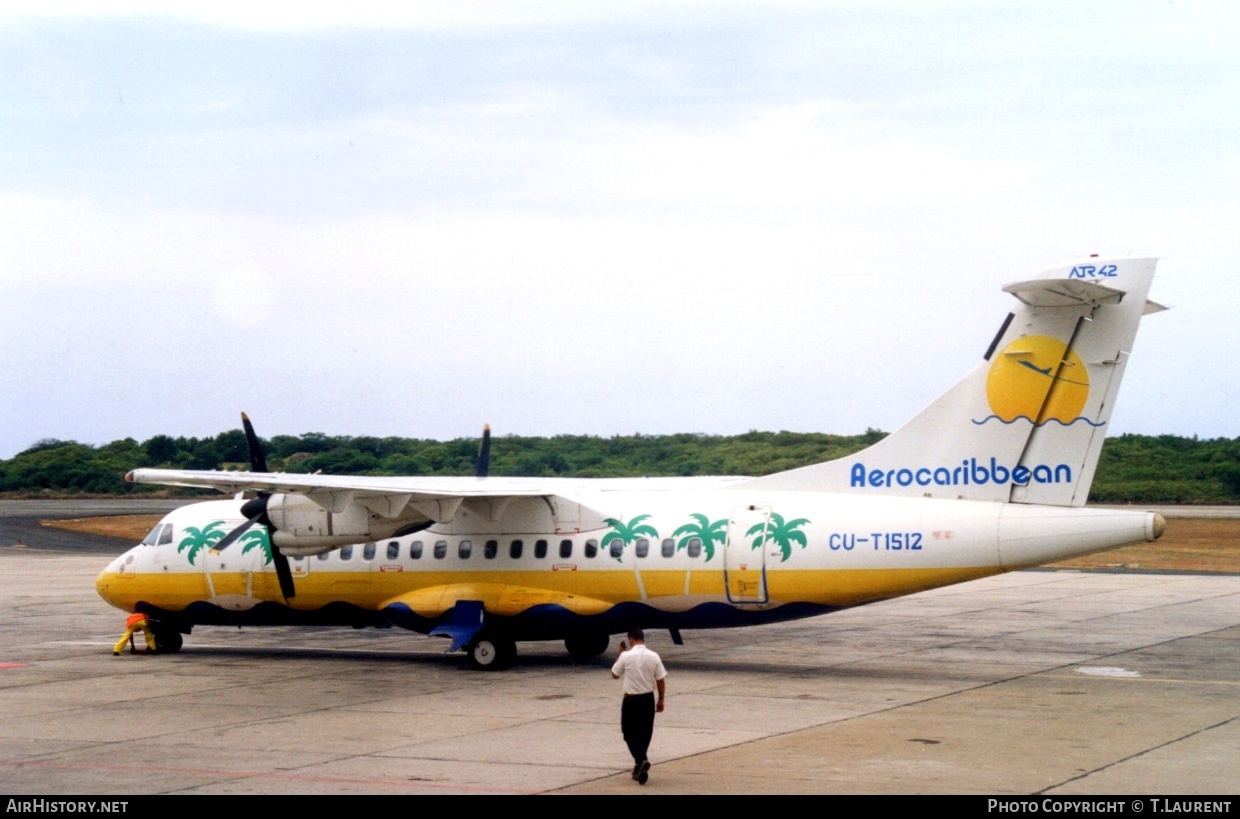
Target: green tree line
[(1133, 468)]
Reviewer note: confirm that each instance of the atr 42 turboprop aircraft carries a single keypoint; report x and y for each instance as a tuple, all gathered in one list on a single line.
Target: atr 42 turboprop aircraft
[(989, 478)]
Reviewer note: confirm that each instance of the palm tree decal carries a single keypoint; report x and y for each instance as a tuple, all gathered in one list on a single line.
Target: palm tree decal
[(257, 537), (710, 533), (627, 533), (784, 534), (196, 539)]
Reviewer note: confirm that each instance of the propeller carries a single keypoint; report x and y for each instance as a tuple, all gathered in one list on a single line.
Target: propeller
[(255, 511), (483, 465)]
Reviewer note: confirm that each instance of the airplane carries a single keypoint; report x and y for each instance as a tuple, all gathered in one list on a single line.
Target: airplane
[(991, 477)]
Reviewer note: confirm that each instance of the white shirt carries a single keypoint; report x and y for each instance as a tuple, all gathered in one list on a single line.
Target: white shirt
[(640, 667)]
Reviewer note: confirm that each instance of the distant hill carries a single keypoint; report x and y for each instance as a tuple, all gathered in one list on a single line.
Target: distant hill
[(1133, 469)]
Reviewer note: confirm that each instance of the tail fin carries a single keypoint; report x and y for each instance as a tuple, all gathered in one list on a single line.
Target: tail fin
[(1026, 425)]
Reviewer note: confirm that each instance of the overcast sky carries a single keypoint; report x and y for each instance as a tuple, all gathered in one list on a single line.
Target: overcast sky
[(596, 218)]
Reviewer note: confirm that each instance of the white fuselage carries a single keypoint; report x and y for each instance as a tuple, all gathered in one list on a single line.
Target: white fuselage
[(620, 554)]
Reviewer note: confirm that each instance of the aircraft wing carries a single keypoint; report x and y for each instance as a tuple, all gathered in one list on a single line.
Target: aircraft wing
[(390, 497), (233, 482)]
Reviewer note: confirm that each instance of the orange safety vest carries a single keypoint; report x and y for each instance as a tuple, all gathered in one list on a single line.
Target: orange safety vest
[(133, 620)]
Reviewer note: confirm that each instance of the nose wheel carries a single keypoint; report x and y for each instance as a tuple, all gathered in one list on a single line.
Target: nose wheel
[(167, 641)]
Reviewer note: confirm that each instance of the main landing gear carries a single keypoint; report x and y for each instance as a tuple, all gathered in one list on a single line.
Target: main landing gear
[(587, 646), (491, 651)]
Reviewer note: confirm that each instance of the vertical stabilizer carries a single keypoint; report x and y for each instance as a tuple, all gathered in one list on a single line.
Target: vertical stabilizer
[(1026, 425)]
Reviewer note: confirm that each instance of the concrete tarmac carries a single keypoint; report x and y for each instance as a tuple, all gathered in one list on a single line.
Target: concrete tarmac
[(1037, 682)]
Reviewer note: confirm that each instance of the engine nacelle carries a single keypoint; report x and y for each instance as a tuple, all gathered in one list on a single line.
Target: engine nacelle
[(300, 527)]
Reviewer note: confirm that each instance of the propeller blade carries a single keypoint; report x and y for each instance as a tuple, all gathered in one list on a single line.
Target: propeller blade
[(255, 511), (283, 573), (258, 461), (232, 537), (484, 453)]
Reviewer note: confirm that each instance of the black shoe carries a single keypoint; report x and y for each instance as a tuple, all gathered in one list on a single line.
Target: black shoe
[(637, 769), (643, 772)]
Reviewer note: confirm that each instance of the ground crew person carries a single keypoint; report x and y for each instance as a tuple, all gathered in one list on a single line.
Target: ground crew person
[(136, 622)]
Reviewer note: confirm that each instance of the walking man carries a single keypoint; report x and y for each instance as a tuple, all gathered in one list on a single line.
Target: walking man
[(643, 673)]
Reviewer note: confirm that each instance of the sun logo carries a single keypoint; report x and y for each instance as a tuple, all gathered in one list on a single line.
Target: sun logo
[(1037, 378)]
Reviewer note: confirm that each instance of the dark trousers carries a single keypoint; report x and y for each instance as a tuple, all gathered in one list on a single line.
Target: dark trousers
[(637, 723)]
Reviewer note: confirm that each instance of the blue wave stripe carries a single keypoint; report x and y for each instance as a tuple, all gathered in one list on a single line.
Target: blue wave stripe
[(1044, 423)]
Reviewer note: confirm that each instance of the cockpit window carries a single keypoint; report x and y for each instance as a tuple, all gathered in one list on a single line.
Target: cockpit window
[(165, 537), (153, 537)]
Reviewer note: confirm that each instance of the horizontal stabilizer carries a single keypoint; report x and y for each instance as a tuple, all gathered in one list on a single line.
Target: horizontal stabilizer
[(1063, 293)]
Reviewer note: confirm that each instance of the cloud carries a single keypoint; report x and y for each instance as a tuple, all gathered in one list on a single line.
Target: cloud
[(691, 220)]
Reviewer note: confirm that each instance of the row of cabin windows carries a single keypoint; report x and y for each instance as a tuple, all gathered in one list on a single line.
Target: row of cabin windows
[(516, 548)]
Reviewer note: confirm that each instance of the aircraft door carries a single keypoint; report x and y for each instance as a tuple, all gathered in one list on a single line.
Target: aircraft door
[(241, 576), (744, 554)]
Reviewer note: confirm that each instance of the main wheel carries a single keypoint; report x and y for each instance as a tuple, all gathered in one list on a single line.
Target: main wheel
[(588, 645), (489, 651), (167, 641)]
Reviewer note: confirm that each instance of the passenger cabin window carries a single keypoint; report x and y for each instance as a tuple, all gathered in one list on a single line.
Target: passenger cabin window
[(153, 538), (616, 549), (516, 548), (393, 550), (415, 550), (540, 548), (491, 549), (465, 548), (643, 547), (166, 536), (669, 547), (368, 551), (566, 548), (346, 552), (441, 549), (323, 555), (591, 548), (695, 547)]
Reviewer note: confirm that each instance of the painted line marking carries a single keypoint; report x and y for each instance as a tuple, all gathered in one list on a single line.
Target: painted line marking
[(259, 647), (1106, 671), (417, 784)]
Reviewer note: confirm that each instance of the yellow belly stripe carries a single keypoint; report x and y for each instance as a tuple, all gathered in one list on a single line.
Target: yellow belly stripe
[(582, 592)]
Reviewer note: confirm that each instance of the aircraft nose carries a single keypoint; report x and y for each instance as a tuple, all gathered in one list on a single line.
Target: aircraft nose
[(112, 581)]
